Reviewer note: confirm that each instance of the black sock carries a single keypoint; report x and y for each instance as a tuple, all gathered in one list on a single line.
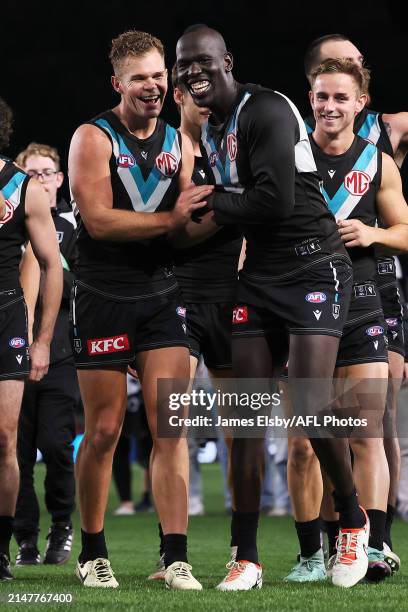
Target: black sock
[(6, 531), (377, 528), (93, 546), (175, 548), (234, 535), (247, 527), (350, 514), (161, 536), (332, 530), (146, 497), (388, 524), (308, 533)]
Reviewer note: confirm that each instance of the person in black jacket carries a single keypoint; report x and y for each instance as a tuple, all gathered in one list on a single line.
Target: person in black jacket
[(47, 412)]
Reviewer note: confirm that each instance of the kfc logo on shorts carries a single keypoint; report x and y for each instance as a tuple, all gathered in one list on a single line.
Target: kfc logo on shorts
[(213, 158), (240, 314), (8, 214), (357, 182), (17, 343), (392, 322), (316, 297), (375, 330), (167, 164), (232, 146), (181, 311), (125, 160), (103, 346)]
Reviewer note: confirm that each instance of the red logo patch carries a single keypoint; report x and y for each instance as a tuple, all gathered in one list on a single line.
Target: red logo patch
[(102, 346), (240, 314), (232, 146), (126, 161), (357, 182), (167, 164), (9, 213)]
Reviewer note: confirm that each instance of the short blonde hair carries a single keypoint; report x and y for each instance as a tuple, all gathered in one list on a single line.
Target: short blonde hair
[(34, 148), (344, 66), (132, 44)]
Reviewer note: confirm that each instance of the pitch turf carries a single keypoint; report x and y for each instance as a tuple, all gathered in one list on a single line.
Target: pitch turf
[(133, 545)]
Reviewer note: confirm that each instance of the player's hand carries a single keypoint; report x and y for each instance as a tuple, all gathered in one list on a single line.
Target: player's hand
[(188, 201), (39, 360), (354, 233)]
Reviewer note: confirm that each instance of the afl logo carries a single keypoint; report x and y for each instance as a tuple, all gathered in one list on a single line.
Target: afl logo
[(317, 297), (357, 182), (232, 146), (167, 164), (8, 214), (126, 161), (17, 343), (375, 330), (213, 158)]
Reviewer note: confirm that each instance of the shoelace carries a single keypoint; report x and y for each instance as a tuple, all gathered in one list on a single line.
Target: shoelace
[(235, 570), (183, 570), (347, 548), (103, 570), (57, 536)]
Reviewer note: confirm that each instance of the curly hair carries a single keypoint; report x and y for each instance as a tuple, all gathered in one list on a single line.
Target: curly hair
[(134, 44), (34, 148), (344, 66), (6, 124)]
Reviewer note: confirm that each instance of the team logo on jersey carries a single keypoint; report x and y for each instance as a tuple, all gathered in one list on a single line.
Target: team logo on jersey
[(60, 236), (181, 311), (232, 146), (375, 330), (357, 182), (77, 345), (392, 322), (240, 314), (8, 214), (125, 160), (336, 310), (316, 297), (385, 267), (365, 290), (103, 346), (17, 342), (213, 158), (167, 164)]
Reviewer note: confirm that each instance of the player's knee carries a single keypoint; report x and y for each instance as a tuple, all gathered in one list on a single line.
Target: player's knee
[(301, 455), (7, 445), (365, 447), (104, 438), (170, 446)]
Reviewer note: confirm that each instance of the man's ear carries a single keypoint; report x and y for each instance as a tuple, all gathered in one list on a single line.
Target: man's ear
[(361, 102), (116, 83), (178, 96), (228, 61)]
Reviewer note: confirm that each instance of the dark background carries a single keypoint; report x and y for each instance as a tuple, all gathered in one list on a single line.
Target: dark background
[(55, 71)]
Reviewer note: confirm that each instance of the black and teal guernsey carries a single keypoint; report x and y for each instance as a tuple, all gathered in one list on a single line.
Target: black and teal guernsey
[(208, 272), (144, 175), (350, 185), (13, 186), (266, 180)]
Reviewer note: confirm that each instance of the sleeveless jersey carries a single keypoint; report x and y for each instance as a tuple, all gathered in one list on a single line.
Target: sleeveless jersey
[(13, 186), (207, 272), (144, 178), (350, 185), (253, 184)]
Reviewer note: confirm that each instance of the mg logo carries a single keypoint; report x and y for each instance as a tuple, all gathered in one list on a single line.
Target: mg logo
[(8, 214), (232, 146), (167, 164), (357, 182)]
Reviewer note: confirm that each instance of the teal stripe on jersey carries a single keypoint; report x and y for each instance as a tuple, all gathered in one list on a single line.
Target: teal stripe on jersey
[(369, 121), (13, 184), (341, 195), (309, 129)]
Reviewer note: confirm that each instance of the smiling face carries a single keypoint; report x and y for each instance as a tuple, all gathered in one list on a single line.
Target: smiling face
[(336, 100), (142, 84), (190, 112), (204, 67)]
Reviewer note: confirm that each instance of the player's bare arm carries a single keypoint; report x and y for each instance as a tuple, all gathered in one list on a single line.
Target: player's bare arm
[(2, 206), (41, 232), (397, 129), (392, 210), (89, 173), (30, 275)]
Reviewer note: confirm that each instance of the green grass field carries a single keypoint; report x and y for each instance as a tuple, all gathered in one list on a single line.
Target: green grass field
[(133, 548)]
